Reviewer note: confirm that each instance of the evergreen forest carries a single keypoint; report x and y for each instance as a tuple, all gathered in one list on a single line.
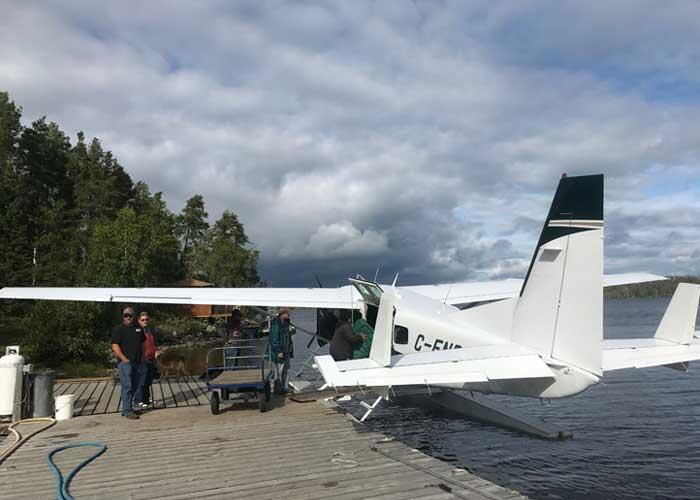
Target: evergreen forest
[(73, 216)]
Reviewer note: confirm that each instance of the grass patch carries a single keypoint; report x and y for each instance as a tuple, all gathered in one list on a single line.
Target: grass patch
[(83, 370)]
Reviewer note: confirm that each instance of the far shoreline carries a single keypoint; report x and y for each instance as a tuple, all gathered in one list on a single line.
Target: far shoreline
[(650, 289)]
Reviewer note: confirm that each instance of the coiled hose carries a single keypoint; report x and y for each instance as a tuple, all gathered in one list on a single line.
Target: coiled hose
[(19, 440), (63, 483)]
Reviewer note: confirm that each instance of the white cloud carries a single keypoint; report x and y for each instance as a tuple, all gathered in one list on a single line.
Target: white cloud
[(342, 239), (406, 132)]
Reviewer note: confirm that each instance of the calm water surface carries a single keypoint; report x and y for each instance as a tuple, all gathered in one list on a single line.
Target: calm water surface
[(635, 437)]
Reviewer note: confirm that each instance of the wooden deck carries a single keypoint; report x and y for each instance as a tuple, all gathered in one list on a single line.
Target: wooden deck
[(96, 397), (295, 451)]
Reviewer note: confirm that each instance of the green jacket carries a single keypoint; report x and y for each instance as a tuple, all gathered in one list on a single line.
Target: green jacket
[(280, 339), (362, 327)]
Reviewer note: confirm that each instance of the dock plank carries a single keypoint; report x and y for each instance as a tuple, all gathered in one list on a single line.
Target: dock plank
[(80, 395), (187, 453), (201, 389), (82, 401), (103, 405), (183, 389), (168, 397), (64, 388), (157, 394), (94, 401), (196, 391)]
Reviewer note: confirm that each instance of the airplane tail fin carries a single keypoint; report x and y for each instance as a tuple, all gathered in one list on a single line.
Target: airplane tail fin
[(678, 322), (560, 308)]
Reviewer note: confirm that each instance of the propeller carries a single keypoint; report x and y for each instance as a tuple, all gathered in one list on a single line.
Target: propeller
[(325, 323)]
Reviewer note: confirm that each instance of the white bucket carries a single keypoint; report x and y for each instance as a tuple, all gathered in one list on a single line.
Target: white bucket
[(64, 406)]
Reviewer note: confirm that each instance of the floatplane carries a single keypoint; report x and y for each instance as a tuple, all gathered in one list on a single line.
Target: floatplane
[(540, 337)]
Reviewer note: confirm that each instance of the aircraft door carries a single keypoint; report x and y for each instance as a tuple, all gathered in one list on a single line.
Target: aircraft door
[(371, 292)]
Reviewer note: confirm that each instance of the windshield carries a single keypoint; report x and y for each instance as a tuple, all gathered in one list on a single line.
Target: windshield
[(371, 292)]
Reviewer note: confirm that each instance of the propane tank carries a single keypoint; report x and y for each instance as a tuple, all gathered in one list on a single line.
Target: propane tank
[(11, 383)]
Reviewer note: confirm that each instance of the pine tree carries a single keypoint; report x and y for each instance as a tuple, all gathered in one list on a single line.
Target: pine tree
[(227, 260), (14, 245), (192, 229)]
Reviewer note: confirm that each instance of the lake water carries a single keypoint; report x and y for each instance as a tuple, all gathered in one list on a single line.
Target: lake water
[(637, 436)]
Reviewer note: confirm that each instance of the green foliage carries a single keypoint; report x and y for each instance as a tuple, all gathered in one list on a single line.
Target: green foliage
[(10, 129), (101, 188), (226, 259), (133, 250), (59, 332), (171, 326), (192, 227), (72, 369), (57, 248), (11, 332)]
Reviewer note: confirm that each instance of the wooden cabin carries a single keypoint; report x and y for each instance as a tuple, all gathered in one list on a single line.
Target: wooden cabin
[(201, 310)]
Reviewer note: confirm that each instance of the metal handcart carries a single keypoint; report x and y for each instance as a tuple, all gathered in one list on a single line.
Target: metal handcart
[(242, 366)]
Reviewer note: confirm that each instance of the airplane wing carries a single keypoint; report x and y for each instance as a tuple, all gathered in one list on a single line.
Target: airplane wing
[(674, 344), (344, 297), (457, 294), (323, 298), (458, 366)]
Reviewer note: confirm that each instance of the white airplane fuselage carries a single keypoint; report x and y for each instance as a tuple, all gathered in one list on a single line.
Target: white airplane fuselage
[(434, 326)]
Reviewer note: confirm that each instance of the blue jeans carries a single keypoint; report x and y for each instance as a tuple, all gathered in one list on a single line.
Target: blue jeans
[(230, 352), (129, 379), (282, 373), (143, 391)]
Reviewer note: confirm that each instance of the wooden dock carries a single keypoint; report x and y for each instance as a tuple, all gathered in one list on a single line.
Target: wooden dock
[(295, 451), (99, 396)]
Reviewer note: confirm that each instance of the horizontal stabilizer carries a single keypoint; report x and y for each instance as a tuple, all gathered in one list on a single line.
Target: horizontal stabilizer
[(673, 344), (678, 323), (640, 353)]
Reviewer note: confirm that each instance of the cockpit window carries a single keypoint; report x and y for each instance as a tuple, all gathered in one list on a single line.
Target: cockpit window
[(400, 334)]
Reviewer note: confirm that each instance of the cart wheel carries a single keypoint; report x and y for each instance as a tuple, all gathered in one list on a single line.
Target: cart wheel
[(214, 400), (268, 391), (262, 404)]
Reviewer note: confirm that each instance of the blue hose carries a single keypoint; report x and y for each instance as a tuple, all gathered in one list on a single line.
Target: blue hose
[(61, 483)]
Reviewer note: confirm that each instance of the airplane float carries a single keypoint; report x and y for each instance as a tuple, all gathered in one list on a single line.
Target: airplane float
[(540, 337)]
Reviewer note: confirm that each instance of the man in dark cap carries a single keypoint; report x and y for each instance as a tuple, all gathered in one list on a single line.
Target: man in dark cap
[(127, 345)]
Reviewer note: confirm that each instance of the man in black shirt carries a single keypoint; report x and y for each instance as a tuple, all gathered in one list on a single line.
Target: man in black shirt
[(127, 340)]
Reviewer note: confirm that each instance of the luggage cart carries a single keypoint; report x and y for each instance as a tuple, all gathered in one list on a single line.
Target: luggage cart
[(242, 366)]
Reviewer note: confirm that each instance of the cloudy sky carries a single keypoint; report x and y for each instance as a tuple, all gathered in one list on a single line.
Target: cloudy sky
[(424, 138)]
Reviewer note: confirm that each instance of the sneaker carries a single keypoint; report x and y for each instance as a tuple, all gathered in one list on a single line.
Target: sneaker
[(137, 411), (144, 406), (133, 416)]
